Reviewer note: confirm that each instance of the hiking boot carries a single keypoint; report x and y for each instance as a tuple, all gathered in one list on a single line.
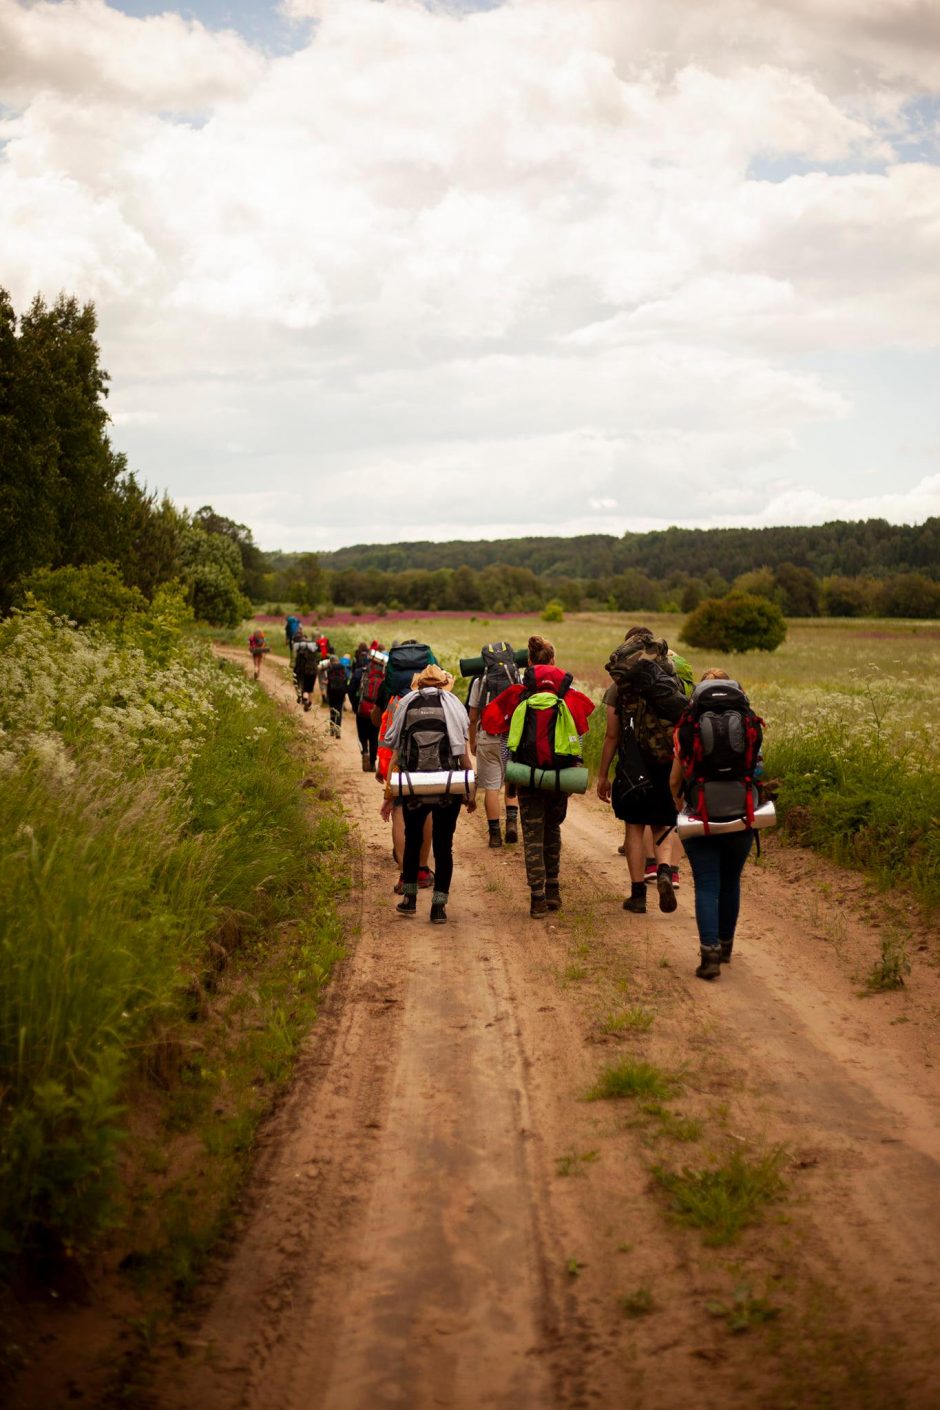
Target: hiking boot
[(726, 948), (649, 869), (425, 878), (552, 896), (538, 907), (636, 902), (407, 906), (710, 965), (438, 913), (366, 764), (512, 826), (495, 838), (667, 897)]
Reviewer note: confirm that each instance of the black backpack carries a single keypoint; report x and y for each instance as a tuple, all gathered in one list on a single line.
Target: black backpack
[(499, 671), (404, 662), (720, 739), (424, 745), (336, 676), (306, 657)]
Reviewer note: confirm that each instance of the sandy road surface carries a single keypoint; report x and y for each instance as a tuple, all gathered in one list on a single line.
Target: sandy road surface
[(439, 1218)]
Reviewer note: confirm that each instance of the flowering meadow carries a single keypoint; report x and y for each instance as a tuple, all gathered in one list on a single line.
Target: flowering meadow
[(150, 808)]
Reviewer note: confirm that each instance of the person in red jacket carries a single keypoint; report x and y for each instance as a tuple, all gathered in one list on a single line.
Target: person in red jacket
[(541, 813)]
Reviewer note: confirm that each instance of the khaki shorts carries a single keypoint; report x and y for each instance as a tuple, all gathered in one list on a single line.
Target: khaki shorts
[(491, 761)]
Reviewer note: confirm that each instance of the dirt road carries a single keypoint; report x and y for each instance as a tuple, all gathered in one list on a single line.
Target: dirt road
[(439, 1218)]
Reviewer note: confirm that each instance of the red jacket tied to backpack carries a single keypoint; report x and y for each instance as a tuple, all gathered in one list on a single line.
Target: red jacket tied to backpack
[(497, 715)]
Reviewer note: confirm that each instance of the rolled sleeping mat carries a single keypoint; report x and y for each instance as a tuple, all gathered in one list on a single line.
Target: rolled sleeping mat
[(473, 665), (689, 826), (574, 780), (452, 783)]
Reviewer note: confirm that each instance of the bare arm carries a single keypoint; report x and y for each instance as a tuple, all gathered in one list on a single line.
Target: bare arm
[(611, 744)]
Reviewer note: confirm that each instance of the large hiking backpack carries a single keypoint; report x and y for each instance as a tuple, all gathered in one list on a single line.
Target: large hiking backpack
[(423, 743), (257, 643), (542, 731), (499, 671), (306, 657), (291, 628), (720, 739), (336, 677), (371, 684), (403, 663)]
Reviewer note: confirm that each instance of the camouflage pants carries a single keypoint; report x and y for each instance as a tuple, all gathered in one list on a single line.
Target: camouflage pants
[(542, 815)]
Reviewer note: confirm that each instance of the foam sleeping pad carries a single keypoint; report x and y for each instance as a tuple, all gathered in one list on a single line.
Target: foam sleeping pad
[(473, 665), (550, 780), (457, 783)]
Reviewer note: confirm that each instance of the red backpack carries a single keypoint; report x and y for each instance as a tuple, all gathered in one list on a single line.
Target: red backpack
[(372, 678)]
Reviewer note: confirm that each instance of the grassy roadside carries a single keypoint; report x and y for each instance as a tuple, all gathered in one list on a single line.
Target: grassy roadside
[(170, 910)]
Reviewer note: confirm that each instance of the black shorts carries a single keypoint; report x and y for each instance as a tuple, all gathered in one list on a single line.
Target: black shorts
[(649, 807)]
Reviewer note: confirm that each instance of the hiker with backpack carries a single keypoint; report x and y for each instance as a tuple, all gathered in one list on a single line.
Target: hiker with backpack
[(499, 671), (543, 720), (366, 731), (717, 762), (405, 660), (306, 658), (259, 649), (292, 626), (337, 682), (428, 735), (643, 704)]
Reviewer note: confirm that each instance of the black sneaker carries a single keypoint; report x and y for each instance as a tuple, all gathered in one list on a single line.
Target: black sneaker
[(710, 965), (636, 904), (407, 906), (438, 913), (495, 839), (726, 948), (667, 897)]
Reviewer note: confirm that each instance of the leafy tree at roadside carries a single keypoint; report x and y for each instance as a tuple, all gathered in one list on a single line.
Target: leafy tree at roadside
[(94, 592), (739, 622)]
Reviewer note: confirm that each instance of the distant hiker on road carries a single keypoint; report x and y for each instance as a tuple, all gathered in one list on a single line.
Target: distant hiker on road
[(544, 720), (428, 735), (292, 626), (305, 668), (366, 731), (718, 757), (259, 649), (336, 684), (499, 672), (643, 706)]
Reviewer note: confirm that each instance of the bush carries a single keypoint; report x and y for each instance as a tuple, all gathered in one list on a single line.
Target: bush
[(93, 593), (738, 622), (553, 611), (217, 598)]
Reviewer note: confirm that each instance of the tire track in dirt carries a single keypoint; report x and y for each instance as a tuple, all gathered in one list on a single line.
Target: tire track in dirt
[(409, 1240)]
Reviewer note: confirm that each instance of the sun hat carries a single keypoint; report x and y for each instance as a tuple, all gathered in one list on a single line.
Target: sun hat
[(432, 675)]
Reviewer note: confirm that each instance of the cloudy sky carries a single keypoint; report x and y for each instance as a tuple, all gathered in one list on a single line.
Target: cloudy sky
[(372, 271)]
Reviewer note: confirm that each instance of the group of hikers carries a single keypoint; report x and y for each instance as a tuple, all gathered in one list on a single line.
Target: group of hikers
[(686, 763)]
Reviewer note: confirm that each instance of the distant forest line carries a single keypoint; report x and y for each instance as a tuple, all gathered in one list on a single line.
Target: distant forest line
[(864, 568)]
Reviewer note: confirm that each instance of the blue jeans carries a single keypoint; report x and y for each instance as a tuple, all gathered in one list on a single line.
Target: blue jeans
[(717, 864)]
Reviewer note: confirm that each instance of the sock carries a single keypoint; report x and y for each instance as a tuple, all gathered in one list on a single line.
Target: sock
[(411, 888), (664, 869), (493, 824), (512, 812), (438, 898), (638, 888)]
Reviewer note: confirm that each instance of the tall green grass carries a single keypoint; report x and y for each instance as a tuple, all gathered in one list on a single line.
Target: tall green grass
[(149, 814)]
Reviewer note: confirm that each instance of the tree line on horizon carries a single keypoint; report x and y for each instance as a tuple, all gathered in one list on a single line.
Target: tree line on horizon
[(81, 534)]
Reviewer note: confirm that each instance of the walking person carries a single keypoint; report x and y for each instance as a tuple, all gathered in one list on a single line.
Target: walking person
[(537, 717), (428, 734), (305, 668), (337, 683), (490, 750), (643, 706), (717, 761), (366, 730), (259, 649)]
